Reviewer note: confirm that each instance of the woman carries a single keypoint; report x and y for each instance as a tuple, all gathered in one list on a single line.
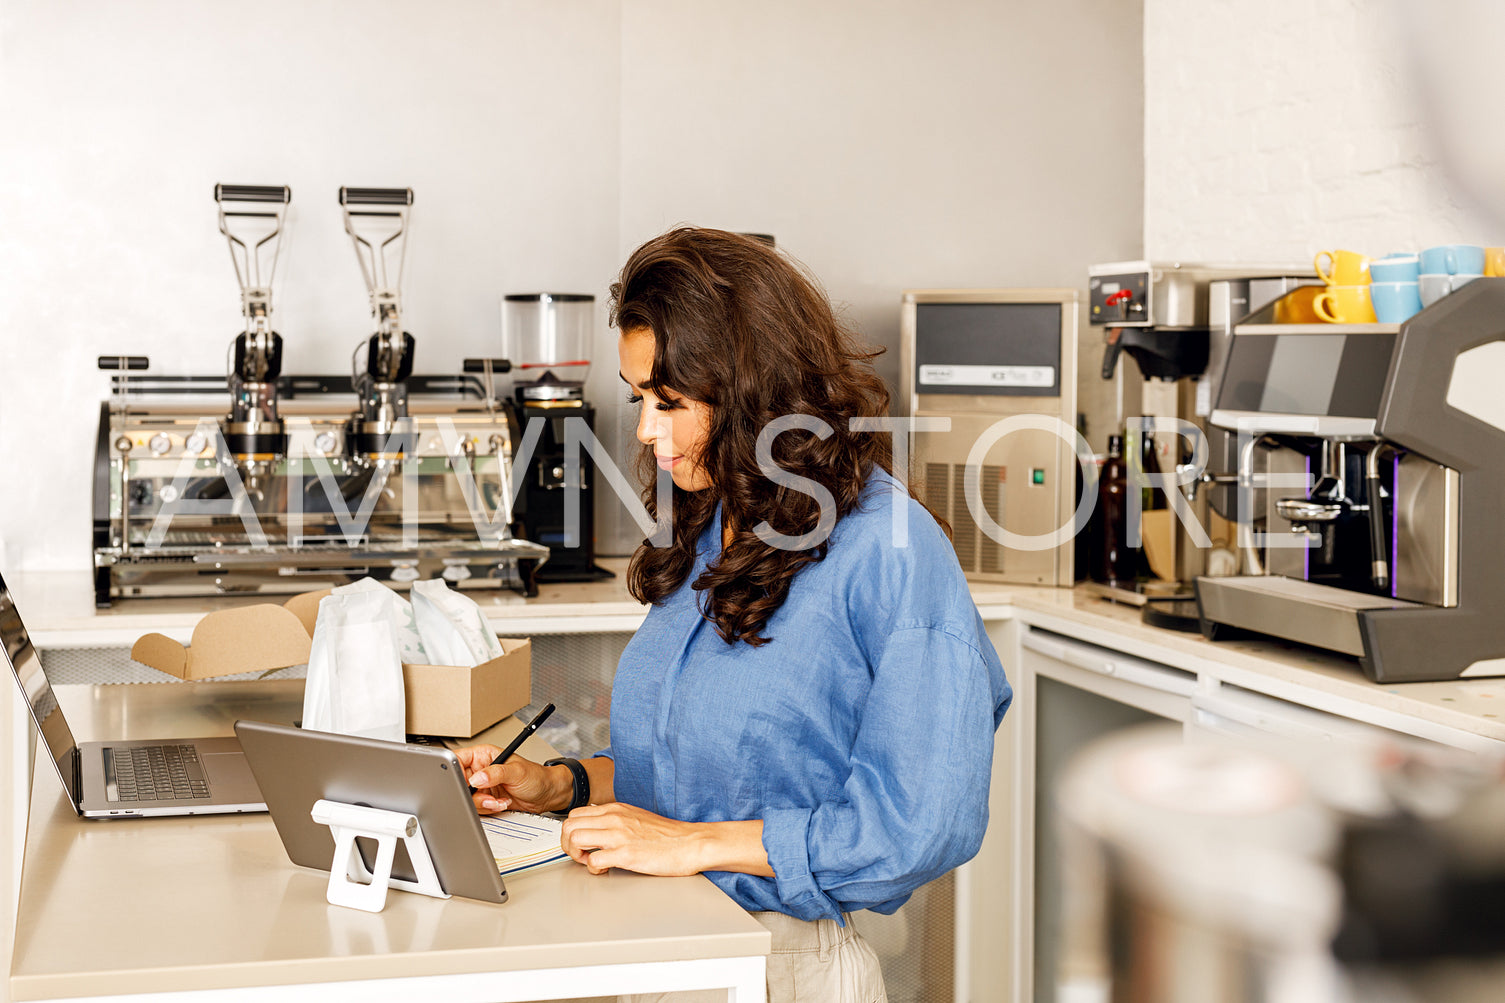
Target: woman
[(807, 713)]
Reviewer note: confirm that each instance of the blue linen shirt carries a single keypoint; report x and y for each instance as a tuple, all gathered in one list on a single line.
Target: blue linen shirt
[(861, 733)]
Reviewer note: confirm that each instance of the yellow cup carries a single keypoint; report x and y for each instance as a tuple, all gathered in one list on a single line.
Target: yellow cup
[(1494, 261), (1345, 305), (1344, 268), (1299, 306)]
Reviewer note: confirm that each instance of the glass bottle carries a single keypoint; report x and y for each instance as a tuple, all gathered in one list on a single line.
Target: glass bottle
[(1151, 498), (1149, 463), (1117, 562)]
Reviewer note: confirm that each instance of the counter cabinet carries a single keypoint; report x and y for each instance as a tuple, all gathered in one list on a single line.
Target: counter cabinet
[(1083, 668)]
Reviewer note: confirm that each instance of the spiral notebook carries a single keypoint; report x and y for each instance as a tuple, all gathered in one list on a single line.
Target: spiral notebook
[(521, 841)]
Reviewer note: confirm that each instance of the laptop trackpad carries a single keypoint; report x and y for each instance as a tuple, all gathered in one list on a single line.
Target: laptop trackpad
[(223, 768)]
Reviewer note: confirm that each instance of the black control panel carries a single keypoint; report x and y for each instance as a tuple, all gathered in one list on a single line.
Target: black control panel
[(1119, 299)]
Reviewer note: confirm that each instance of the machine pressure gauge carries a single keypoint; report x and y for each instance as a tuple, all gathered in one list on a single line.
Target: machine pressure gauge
[(159, 444)]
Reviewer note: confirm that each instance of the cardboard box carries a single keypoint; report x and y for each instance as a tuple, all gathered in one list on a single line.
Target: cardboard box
[(227, 642), (451, 701), (456, 701)]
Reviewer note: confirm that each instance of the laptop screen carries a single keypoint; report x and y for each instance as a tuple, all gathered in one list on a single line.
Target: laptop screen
[(27, 666)]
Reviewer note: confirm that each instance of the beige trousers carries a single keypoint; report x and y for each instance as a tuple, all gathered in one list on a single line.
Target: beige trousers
[(809, 962)]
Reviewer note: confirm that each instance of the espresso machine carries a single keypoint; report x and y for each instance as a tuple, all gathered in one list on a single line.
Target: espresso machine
[(1175, 319), (307, 481), (1371, 464), (548, 336)]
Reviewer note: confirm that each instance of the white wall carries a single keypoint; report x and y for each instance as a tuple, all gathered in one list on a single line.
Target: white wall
[(1276, 130), (120, 117), (892, 145), (889, 145)]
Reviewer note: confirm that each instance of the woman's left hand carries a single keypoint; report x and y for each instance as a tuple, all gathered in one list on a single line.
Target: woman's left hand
[(619, 835)]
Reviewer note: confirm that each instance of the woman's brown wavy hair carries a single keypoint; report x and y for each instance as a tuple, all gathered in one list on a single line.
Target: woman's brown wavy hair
[(742, 328)]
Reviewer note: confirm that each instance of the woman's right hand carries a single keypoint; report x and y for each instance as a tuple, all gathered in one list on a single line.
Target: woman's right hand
[(517, 785)]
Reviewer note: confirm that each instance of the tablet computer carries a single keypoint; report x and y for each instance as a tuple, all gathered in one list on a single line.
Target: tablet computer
[(294, 768)]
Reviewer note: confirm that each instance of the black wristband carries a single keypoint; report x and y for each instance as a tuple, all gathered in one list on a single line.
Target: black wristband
[(582, 792)]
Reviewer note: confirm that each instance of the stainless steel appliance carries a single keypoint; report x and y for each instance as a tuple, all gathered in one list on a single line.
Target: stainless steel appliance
[(1000, 366), (1387, 544), (1174, 319), (307, 480)]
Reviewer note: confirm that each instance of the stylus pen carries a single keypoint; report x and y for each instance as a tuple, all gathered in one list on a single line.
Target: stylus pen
[(522, 736)]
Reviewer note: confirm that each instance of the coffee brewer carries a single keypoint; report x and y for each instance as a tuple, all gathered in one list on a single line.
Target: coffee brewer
[(547, 336), (1174, 320), (1383, 540)]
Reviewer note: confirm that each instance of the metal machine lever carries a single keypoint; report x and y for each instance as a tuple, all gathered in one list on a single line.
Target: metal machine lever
[(482, 365), (376, 196), (488, 368), (116, 363), (253, 193), (265, 226), (389, 355), (376, 220), (251, 218)]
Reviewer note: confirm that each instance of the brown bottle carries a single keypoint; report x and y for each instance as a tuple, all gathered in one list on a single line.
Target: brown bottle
[(1117, 562)]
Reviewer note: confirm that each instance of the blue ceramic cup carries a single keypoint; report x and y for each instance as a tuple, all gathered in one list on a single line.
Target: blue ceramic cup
[(1395, 302), (1435, 261), (1469, 258), (1453, 259), (1395, 268)]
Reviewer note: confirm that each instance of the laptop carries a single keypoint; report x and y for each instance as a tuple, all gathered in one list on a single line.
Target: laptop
[(297, 768), (127, 779)]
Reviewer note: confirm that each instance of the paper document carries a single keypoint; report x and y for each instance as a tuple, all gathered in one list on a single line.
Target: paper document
[(520, 840)]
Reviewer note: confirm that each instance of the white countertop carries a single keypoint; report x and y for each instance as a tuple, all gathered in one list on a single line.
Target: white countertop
[(58, 607), (59, 612), (1307, 676), (211, 902)]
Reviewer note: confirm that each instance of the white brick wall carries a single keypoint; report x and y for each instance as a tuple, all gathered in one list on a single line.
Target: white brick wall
[(1279, 129)]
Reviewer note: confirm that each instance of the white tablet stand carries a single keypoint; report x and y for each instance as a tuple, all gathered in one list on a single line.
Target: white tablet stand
[(351, 883)]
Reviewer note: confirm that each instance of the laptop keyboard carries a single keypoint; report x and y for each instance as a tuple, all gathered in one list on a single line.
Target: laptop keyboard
[(154, 773)]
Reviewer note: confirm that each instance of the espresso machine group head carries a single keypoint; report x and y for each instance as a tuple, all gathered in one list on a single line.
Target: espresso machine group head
[(251, 218), (377, 221)]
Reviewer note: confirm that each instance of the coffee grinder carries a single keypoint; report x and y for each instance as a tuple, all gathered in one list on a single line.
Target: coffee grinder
[(547, 337), (1174, 320)]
